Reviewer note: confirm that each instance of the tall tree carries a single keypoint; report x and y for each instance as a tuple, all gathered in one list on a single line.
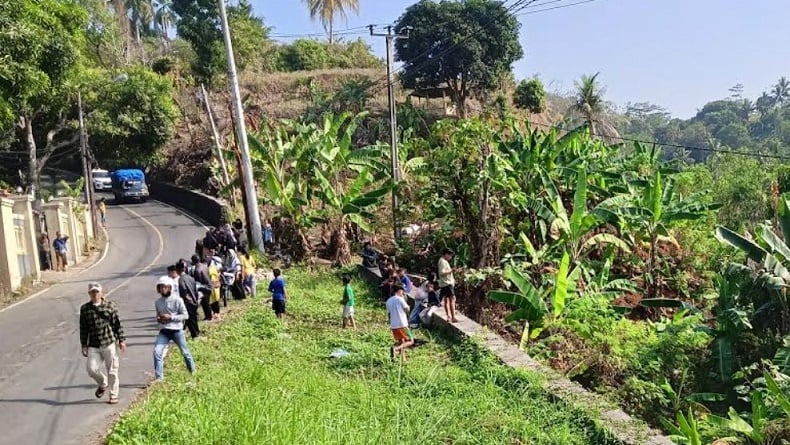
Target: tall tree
[(530, 95), (39, 53), (163, 18), (781, 91), (466, 47), (327, 10), (590, 104)]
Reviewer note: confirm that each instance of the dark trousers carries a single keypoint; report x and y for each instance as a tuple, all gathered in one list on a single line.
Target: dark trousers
[(206, 307), (45, 259), (192, 322), (215, 307)]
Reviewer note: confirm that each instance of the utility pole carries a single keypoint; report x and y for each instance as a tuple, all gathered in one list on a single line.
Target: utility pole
[(218, 145), (86, 167), (390, 38), (251, 201)]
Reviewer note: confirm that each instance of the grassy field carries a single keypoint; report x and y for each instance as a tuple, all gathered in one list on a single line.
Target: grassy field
[(259, 382)]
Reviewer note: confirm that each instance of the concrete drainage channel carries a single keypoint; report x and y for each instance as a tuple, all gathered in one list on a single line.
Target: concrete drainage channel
[(603, 413)]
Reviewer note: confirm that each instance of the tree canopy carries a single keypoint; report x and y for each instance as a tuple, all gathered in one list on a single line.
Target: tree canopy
[(530, 95), (466, 46)]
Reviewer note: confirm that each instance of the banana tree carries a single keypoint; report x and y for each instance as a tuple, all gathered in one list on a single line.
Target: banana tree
[(770, 278), (650, 208), (575, 233)]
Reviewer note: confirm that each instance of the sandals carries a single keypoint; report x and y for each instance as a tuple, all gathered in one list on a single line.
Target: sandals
[(100, 391), (113, 401)]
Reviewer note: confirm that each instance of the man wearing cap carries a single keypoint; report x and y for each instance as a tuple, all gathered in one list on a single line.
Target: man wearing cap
[(171, 312), (100, 331)]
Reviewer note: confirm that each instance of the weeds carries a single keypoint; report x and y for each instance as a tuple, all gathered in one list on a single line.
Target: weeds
[(259, 382)]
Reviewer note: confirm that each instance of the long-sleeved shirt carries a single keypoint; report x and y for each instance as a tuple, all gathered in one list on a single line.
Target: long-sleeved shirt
[(187, 289), (100, 325), (201, 276), (176, 308)]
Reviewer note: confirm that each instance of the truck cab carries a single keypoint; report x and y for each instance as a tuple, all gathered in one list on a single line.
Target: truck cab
[(129, 185)]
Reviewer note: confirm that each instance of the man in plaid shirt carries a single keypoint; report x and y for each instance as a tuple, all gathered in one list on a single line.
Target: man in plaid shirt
[(100, 331)]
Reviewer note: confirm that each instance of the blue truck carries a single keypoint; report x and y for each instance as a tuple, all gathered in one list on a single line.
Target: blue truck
[(129, 185)]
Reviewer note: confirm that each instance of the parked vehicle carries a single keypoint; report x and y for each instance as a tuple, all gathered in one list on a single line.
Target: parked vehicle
[(101, 180), (128, 185)]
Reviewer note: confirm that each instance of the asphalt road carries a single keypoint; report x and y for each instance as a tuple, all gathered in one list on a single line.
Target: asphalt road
[(46, 395)]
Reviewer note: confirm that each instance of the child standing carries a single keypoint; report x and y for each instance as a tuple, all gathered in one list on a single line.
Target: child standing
[(279, 295), (398, 310), (348, 303)]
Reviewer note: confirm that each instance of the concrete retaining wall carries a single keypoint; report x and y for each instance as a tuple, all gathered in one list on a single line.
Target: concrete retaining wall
[(212, 211)]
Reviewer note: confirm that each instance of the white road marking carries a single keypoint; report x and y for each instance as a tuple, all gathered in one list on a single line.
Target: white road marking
[(152, 263)]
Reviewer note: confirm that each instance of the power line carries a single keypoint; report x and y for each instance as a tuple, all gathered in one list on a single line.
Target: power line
[(346, 31), (513, 9), (678, 146), (555, 7)]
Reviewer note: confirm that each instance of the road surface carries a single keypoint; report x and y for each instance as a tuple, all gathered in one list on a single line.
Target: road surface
[(46, 395)]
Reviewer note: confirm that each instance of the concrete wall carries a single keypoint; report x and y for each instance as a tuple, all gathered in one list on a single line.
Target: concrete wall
[(212, 210)]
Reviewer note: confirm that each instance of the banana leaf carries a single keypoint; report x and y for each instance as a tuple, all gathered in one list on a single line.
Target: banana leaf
[(752, 250)]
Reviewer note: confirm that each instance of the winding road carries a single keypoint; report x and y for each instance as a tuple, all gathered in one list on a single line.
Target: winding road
[(46, 395)]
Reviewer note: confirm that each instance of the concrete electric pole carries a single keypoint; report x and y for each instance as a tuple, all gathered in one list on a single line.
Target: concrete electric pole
[(390, 38), (247, 180), (87, 168)]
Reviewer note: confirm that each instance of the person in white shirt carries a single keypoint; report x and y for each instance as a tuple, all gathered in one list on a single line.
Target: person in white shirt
[(447, 285), (398, 310)]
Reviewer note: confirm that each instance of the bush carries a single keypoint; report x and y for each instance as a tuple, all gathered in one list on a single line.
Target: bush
[(309, 54), (530, 95)]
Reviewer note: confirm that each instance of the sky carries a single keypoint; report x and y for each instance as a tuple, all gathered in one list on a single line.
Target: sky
[(679, 54)]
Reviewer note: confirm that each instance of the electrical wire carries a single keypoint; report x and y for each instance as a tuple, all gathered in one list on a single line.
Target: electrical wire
[(678, 146), (555, 7)]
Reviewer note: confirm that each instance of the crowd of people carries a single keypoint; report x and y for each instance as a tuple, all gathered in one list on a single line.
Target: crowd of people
[(216, 270), (436, 290), (221, 266)]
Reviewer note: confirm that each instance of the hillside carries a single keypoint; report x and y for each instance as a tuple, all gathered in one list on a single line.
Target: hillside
[(187, 158)]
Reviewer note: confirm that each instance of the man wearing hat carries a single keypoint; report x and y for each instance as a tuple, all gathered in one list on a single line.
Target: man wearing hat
[(101, 335), (171, 313)]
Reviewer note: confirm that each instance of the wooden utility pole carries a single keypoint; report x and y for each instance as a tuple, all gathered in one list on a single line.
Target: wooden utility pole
[(218, 146), (86, 168)]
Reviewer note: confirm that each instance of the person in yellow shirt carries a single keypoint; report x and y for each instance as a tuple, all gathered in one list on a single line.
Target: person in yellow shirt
[(103, 212), (248, 271), (214, 299)]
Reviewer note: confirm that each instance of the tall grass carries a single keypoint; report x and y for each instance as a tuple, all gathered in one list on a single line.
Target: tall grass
[(259, 382)]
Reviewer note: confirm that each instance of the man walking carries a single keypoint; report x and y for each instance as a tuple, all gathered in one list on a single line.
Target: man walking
[(61, 249), (100, 331), (170, 314), (44, 251), (187, 289)]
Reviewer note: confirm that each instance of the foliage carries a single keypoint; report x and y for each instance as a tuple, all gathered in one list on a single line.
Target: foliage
[(466, 46), (255, 371), (199, 24), (530, 95), (309, 54), (298, 163), (129, 120), (327, 10), (590, 104)]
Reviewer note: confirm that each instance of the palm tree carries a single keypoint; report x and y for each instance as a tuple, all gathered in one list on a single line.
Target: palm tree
[(325, 10), (141, 14), (589, 103), (781, 91), (764, 103)]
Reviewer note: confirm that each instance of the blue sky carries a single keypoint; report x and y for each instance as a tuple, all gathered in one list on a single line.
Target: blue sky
[(679, 54)]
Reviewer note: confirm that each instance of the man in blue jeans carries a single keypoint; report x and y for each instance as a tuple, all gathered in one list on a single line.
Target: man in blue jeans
[(171, 312)]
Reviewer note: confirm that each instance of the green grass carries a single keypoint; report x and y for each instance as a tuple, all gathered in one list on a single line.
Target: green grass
[(261, 383)]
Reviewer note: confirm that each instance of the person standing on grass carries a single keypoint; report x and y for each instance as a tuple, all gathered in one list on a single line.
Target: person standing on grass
[(202, 278), (214, 272), (279, 294), (171, 313), (101, 336), (187, 289), (103, 212), (348, 303), (247, 271), (398, 310), (61, 249), (447, 285), (404, 280)]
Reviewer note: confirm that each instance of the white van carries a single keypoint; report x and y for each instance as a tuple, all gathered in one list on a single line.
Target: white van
[(101, 180)]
